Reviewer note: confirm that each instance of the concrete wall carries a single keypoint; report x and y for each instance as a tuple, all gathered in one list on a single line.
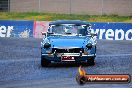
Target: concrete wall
[(93, 7)]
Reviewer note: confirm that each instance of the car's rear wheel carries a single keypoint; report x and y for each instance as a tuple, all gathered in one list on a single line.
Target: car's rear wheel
[(91, 61), (44, 62)]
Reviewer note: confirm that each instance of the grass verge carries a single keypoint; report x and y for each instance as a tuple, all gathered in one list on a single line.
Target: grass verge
[(54, 16)]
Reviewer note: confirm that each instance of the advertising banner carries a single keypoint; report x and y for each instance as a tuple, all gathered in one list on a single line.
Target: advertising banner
[(112, 30), (16, 28), (40, 26), (104, 30), (27, 28)]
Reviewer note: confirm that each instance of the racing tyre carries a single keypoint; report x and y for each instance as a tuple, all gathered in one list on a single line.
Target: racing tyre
[(91, 61), (44, 62)]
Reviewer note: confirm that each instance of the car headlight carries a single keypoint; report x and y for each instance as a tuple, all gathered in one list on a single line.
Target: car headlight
[(89, 45), (47, 45)]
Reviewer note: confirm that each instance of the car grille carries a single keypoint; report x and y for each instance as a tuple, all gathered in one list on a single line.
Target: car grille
[(73, 50)]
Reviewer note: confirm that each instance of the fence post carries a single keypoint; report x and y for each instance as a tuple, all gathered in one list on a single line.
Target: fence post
[(102, 7), (39, 6), (8, 5), (70, 7)]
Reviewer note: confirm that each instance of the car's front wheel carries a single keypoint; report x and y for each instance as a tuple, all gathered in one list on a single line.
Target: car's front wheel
[(91, 61), (44, 62)]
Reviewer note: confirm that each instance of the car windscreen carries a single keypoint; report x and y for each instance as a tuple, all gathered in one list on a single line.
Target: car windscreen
[(69, 29)]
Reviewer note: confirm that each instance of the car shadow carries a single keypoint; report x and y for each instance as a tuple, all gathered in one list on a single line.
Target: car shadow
[(69, 64)]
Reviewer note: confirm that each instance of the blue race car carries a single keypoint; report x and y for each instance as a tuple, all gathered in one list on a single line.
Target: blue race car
[(68, 41)]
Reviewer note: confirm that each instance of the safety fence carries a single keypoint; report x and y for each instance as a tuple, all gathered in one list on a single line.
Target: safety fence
[(30, 28)]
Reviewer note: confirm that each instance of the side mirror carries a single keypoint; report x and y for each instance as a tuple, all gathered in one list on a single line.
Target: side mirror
[(94, 34), (43, 33)]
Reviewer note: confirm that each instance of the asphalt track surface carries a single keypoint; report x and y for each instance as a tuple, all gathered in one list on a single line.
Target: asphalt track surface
[(20, 65)]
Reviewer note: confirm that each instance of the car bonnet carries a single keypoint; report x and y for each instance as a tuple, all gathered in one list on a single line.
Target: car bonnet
[(69, 42)]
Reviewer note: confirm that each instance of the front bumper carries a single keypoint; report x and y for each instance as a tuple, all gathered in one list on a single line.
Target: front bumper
[(57, 57)]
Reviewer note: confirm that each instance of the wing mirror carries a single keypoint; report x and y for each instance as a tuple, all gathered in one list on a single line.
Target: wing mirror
[(94, 34), (43, 33)]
